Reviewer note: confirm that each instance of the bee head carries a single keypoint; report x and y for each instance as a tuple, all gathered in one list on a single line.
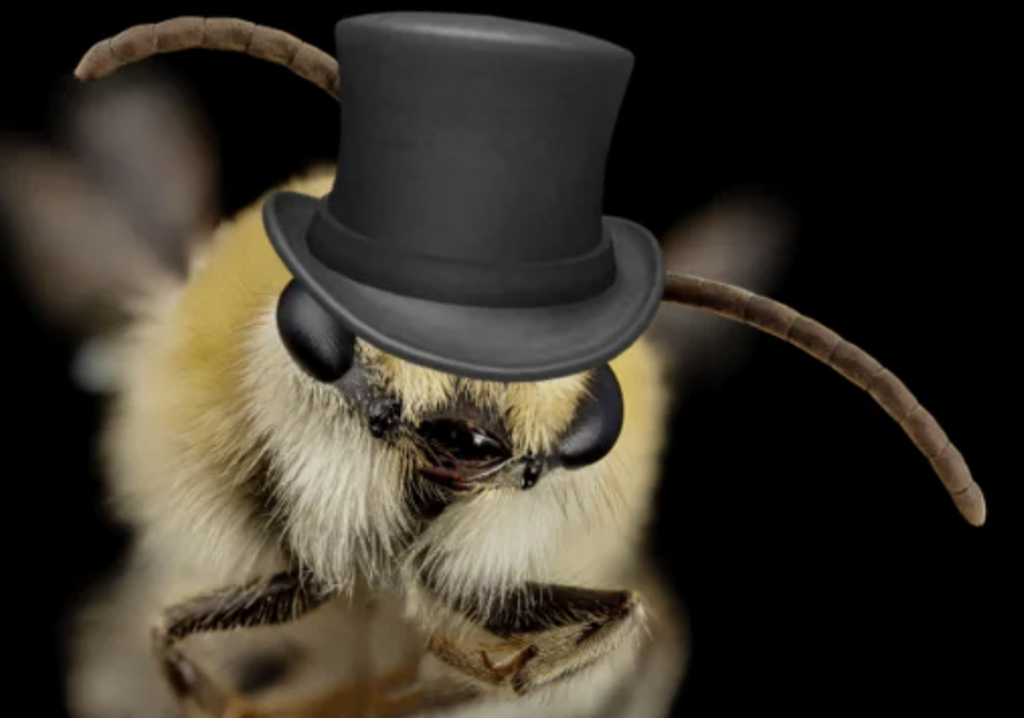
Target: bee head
[(466, 434)]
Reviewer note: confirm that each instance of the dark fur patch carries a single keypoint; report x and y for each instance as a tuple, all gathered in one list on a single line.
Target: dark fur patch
[(541, 607), (280, 599), (536, 607)]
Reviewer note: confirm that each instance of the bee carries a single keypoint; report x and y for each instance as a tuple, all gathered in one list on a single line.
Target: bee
[(322, 528)]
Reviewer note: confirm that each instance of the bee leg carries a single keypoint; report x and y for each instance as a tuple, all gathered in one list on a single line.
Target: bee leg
[(549, 632), (282, 598), (396, 694), (479, 663)]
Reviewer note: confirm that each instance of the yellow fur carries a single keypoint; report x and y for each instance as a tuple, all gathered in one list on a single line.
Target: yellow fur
[(215, 317), (211, 392)]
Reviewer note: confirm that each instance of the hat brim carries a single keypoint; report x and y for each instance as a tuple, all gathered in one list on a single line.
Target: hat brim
[(498, 344)]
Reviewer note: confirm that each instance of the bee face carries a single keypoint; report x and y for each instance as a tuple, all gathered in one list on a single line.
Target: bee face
[(462, 434), (328, 453), (370, 456)]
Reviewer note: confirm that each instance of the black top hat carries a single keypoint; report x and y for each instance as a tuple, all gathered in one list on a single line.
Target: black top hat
[(464, 231)]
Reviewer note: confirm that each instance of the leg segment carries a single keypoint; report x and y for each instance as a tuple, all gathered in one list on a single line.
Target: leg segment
[(546, 633), (280, 599)]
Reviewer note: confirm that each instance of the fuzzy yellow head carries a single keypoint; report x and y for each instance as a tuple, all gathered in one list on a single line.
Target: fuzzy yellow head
[(294, 466)]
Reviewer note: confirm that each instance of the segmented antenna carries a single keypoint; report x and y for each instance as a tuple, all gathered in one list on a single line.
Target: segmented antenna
[(852, 362), (226, 34)]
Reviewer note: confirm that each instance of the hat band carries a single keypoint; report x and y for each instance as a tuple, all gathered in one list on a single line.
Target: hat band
[(453, 281)]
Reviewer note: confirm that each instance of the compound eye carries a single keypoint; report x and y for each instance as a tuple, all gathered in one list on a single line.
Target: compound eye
[(598, 423), (321, 346)]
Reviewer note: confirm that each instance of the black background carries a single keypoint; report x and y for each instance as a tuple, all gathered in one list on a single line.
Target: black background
[(823, 563)]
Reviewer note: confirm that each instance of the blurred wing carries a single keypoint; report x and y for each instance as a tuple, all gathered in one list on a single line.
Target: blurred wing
[(745, 239), (77, 257), (147, 142), (109, 220)]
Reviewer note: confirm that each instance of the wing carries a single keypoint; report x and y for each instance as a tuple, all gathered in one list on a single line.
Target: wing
[(148, 143), (747, 239), (106, 215)]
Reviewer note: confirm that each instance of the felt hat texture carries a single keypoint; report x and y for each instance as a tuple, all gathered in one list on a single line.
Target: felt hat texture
[(465, 229)]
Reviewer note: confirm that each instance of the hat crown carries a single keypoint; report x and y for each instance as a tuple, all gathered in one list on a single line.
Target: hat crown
[(475, 138)]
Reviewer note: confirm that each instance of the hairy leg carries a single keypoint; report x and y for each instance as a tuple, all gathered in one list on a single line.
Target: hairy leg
[(545, 633), (282, 598)]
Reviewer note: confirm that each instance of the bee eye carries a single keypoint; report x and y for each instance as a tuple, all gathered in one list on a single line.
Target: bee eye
[(598, 423), (316, 341), (462, 441)]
